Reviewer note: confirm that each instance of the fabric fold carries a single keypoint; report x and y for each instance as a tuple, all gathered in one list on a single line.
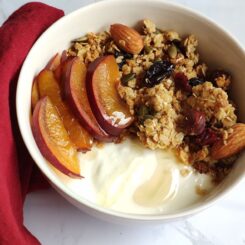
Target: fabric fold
[(17, 35)]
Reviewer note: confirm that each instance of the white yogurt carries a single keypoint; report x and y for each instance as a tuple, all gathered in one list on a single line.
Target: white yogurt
[(129, 178)]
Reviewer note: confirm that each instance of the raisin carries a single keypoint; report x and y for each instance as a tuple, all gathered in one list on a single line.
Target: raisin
[(194, 123), (208, 137), (116, 53), (121, 64), (123, 53), (181, 82), (196, 81), (176, 42), (158, 71), (179, 46), (126, 56)]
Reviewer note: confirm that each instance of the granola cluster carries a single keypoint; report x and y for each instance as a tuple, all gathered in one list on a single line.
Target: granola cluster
[(214, 103), (169, 90)]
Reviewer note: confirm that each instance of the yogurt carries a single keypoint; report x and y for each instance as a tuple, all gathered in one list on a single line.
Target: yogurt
[(129, 178)]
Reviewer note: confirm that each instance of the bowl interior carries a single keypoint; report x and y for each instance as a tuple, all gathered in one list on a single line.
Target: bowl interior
[(216, 47)]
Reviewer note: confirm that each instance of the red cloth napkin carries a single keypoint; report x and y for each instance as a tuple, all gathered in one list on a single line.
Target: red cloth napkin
[(17, 175)]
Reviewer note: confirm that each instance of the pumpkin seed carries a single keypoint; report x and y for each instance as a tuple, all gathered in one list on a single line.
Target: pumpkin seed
[(143, 110), (172, 51), (158, 31), (144, 113), (148, 117), (80, 39), (148, 49), (125, 79)]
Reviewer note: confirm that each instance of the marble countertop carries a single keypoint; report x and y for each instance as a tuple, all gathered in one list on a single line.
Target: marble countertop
[(54, 221)]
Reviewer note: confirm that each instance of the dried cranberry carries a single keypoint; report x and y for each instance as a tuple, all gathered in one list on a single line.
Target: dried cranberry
[(182, 83), (158, 71), (208, 137), (195, 122), (196, 81)]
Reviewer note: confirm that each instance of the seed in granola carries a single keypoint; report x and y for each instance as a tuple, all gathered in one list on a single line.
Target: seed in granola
[(144, 112), (126, 78), (172, 51), (158, 31), (148, 49), (208, 137), (157, 72), (196, 81), (80, 39), (181, 82), (194, 123)]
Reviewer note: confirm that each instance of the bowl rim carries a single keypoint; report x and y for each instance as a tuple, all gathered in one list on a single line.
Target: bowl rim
[(58, 183)]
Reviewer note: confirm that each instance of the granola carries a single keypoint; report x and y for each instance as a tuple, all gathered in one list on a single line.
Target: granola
[(164, 83)]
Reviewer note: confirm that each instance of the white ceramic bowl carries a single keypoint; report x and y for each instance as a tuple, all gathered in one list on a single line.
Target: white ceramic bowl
[(216, 46)]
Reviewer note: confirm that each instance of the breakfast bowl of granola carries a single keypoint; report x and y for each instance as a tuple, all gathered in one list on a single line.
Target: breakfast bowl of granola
[(135, 115)]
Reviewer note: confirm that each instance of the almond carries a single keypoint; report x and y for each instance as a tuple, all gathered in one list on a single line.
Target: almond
[(127, 38), (234, 143)]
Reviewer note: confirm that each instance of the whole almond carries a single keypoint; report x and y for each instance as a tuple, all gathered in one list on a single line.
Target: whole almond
[(234, 144), (127, 38)]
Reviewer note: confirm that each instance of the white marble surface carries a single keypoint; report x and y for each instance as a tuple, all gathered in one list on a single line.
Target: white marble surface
[(54, 221)]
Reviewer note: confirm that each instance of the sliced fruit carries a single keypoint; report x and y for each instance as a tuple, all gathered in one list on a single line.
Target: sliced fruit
[(48, 86), (64, 56), (53, 140), (110, 111), (59, 71), (234, 144), (76, 95), (54, 62), (65, 71), (127, 38), (34, 94)]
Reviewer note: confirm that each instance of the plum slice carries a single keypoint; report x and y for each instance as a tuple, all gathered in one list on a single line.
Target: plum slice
[(48, 86), (34, 94), (111, 112), (54, 62), (76, 95), (53, 140)]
